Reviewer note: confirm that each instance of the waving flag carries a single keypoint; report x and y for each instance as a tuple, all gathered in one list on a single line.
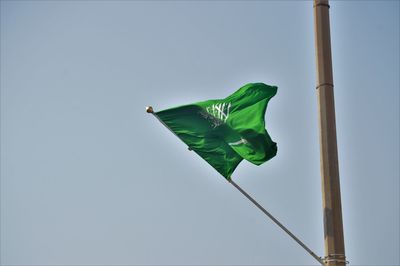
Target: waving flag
[(225, 131)]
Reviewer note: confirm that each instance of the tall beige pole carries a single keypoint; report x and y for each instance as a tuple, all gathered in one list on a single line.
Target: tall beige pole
[(332, 208)]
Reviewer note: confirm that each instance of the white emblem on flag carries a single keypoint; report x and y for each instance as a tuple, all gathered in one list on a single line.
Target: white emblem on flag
[(220, 111), (241, 141)]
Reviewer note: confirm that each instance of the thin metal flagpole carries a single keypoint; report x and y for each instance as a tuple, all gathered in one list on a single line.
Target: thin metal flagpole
[(319, 259), (150, 110)]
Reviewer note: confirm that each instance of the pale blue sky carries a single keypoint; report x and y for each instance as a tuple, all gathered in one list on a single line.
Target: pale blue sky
[(88, 178)]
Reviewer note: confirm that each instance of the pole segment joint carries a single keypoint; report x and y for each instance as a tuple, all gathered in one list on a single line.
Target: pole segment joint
[(335, 258), (324, 84)]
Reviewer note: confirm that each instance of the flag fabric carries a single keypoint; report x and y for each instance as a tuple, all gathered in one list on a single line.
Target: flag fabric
[(226, 131)]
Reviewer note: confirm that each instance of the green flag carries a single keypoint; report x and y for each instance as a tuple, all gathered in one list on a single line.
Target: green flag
[(225, 131)]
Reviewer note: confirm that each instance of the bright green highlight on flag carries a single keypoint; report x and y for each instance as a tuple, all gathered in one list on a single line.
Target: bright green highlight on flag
[(223, 132)]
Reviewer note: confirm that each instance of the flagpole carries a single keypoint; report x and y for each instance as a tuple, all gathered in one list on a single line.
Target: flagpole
[(319, 259), (333, 225), (150, 110)]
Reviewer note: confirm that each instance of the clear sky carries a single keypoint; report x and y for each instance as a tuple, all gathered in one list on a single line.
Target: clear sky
[(88, 178)]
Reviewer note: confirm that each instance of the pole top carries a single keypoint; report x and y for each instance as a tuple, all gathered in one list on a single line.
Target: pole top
[(321, 3), (149, 109)]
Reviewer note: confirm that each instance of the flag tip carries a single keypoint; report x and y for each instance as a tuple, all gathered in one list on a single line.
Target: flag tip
[(149, 109)]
